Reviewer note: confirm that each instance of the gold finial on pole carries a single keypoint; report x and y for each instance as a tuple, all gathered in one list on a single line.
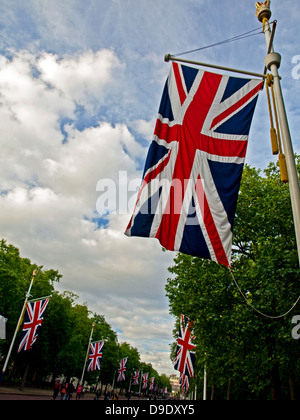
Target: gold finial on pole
[(263, 10)]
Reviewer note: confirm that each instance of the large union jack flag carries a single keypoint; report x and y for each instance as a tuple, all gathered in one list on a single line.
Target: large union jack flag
[(33, 320), (192, 174), (122, 370), (95, 356), (185, 355)]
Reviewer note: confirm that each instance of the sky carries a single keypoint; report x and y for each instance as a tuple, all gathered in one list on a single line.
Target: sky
[(80, 86)]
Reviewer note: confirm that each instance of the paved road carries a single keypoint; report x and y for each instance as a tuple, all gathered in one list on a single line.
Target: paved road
[(10, 393)]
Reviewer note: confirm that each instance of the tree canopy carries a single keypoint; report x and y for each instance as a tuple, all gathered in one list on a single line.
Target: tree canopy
[(61, 347)]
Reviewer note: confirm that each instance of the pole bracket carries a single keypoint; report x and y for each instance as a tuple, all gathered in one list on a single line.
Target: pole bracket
[(272, 58)]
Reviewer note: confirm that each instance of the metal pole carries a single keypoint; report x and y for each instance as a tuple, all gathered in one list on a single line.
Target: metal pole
[(272, 62), (204, 384), (87, 354), (18, 326), (169, 57), (141, 378)]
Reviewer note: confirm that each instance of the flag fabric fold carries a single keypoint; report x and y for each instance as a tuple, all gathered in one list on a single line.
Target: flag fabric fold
[(33, 320), (193, 170)]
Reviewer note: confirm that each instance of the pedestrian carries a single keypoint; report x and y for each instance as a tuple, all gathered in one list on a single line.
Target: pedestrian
[(63, 391), (78, 392), (116, 397), (56, 389), (97, 394), (70, 390)]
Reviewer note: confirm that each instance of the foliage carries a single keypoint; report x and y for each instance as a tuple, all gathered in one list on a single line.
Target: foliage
[(247, 356)]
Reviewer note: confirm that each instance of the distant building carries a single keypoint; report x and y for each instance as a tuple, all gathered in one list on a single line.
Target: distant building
[(174, 381)]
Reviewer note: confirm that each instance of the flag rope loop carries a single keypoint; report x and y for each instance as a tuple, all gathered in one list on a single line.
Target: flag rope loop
[(255, 309)]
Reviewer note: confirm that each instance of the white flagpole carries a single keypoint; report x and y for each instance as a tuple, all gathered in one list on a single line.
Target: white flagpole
[(141, 378), (204, 384), (18, 326), (272, 62), (87, 354)]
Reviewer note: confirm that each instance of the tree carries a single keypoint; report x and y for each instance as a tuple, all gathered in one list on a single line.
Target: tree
[(246, 355)]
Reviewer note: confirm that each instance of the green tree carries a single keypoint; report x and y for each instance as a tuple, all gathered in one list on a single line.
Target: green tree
[(246, 354)]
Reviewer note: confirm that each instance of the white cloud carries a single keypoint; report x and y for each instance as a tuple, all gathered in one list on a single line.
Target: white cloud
[(82, 78), (48, 190)]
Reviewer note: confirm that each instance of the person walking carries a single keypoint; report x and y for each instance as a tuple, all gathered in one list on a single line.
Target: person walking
[(56, 389), (78, 392)]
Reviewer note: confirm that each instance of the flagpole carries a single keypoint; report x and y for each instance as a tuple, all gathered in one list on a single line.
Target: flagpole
[(18, 326), (87, 354), (141, 378), (204, 384), (272, 62)]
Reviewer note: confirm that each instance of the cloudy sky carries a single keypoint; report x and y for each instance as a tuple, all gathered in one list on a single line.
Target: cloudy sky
[(80, 86)]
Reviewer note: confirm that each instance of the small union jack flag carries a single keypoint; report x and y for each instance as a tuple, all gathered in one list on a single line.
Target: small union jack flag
[(194, 166), (185, 356), (145, 380), (122, 370), (32, 323), (151, 387), (135, 379), (95, 356), (184, 383)]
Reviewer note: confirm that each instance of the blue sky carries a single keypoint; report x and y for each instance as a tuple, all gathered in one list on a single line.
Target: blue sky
[(80, 86)]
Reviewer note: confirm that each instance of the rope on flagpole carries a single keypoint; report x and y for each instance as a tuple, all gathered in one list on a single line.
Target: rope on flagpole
[(248, 34), (255, 309)]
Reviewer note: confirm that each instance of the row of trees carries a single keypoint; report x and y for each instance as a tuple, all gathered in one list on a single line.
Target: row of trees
[(62, 343), (246, 355)]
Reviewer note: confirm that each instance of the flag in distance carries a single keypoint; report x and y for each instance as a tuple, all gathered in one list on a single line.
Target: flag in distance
[(135, 379), (151, 387), (34, 317), (145, 380), (184, 383), (95, 356), (193, 170), (185, 355), (122, 370)]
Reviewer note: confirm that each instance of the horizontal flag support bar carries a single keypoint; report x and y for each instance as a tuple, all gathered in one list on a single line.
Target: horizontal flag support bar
[(169, 57), (42, 298)]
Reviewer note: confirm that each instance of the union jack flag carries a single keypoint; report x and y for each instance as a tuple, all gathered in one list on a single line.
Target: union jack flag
[(184, 382), (151, 387), (145, 380), (193, 170), (185, 355), (122, 370), (135, 379), (34, 317), (95, 356)]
